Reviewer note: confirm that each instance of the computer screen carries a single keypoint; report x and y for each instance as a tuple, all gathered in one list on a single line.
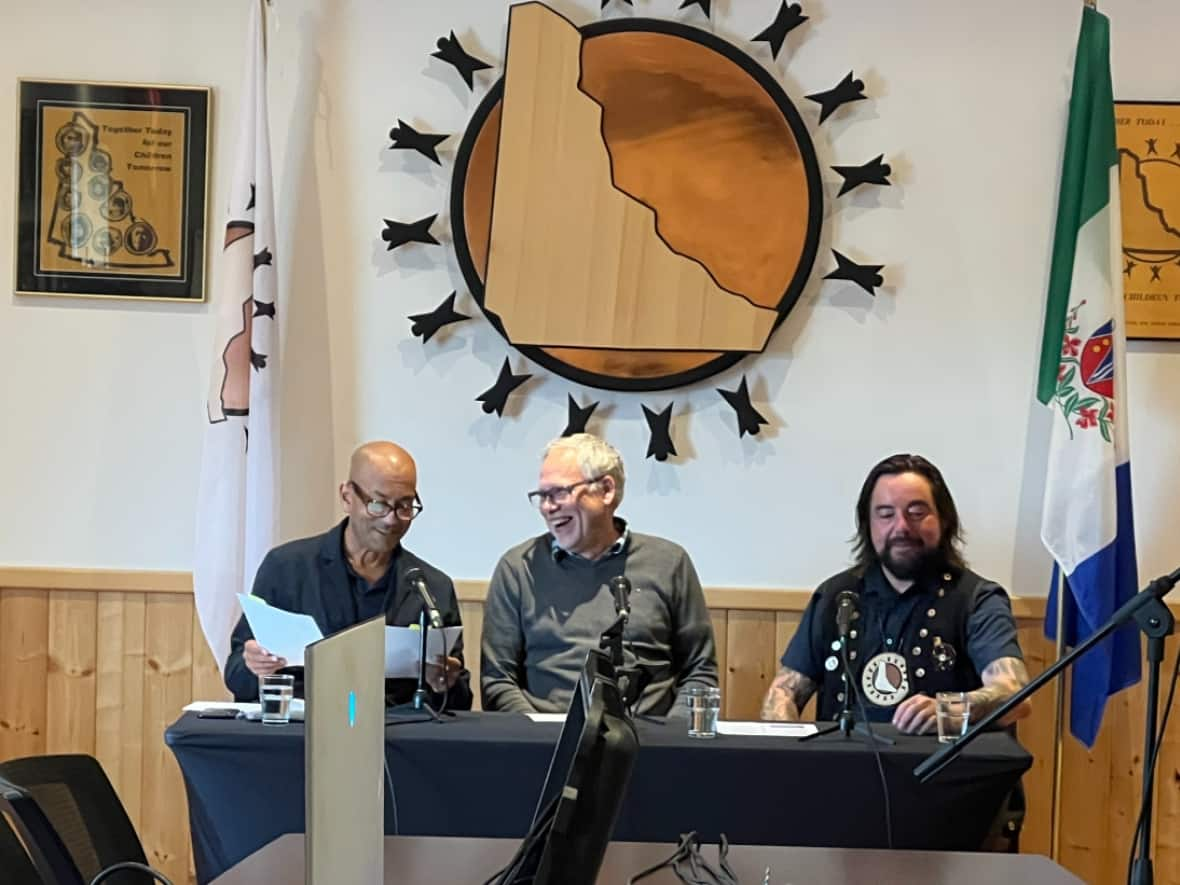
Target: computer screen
[(584, 789)]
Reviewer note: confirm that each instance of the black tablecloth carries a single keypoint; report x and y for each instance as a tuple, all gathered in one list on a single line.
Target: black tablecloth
[(479, 774)]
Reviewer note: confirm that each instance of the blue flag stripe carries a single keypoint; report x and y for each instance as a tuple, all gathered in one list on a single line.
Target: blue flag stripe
[(1096, 588)]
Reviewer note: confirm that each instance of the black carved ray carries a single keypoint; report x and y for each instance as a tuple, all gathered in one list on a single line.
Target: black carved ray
[(750, 420), (848, 89), (496, 397), (789, 17), (578, 416), (867, 276), (705, 5), (405, 137), (398, 233), (452, 52), (425, 325), (660, 444), (873, 172)]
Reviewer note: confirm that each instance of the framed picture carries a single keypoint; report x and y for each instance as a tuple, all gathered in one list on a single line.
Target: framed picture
[(1148, 135), (111, 190)]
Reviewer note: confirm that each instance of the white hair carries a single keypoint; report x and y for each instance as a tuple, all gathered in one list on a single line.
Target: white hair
[(596, 458)]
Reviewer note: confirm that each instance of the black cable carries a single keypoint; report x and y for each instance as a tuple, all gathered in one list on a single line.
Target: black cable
[(130, 865), (539, 831), (873, 742), (392, 794), (1149, 778)]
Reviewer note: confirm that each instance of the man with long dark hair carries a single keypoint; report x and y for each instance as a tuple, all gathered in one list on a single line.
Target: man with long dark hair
[(919, 620)]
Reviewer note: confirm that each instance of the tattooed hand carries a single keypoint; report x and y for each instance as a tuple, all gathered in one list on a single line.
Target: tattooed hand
[(788, 694), (1002, 678)]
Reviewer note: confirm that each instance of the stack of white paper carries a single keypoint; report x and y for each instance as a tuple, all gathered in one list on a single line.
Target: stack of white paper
[(287, 634)]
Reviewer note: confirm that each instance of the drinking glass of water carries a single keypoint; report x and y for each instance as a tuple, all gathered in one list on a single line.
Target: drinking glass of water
[(953, 711), (704, 703), (275, 692)]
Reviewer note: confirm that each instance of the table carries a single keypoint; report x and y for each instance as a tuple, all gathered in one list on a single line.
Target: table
[(479, 775), (418, 860)]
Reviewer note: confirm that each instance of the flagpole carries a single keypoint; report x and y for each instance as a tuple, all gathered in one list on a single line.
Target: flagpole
[(1058, 726)]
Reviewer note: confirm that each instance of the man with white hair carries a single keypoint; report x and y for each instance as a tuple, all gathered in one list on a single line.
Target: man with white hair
[(549, 600)]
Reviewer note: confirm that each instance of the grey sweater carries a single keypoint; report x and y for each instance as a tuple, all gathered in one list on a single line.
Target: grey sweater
[(545, 612)]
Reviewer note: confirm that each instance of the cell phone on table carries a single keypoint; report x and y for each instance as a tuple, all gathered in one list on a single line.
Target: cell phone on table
[(219, 713)]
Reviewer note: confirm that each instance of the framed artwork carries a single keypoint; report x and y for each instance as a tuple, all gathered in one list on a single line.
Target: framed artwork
[(1148, 136), (111, 190)]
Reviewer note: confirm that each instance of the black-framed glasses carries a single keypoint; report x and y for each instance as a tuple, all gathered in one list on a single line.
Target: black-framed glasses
[(558, 495), (405, 509)]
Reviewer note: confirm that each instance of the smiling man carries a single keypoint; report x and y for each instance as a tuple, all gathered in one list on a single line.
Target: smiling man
[(925, 623), (354, 572), (549, 600)]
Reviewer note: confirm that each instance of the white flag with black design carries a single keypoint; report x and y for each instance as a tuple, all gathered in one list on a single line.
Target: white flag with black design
[(237, 507)]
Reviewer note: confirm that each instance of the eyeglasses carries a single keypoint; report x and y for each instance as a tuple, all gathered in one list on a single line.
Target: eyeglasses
[(375, 507), (558, 495)]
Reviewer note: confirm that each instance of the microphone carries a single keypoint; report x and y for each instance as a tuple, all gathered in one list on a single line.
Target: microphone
[(845, 609), (417, 580), (620, 589)]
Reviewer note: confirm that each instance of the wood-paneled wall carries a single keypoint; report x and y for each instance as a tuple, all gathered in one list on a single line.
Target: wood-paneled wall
[(101, 662)]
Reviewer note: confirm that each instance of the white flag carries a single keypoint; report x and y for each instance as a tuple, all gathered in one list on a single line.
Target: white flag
[(237, 505)]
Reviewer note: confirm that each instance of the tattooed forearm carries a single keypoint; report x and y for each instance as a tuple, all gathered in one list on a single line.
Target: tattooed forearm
[(1002, 678), (788, 694)]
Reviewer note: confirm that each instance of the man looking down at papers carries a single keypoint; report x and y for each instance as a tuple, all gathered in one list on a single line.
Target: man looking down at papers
[(355, 572)]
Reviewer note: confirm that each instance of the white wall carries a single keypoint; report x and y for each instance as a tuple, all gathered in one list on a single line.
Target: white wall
[(103, 401)]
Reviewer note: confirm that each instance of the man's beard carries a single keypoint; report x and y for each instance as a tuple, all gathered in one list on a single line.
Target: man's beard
[(913, 563)]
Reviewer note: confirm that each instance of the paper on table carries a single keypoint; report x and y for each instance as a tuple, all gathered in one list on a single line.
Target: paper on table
[(546, 717), (246, 709), (771, 729), (240, 706), (401, 649), (280, 632)]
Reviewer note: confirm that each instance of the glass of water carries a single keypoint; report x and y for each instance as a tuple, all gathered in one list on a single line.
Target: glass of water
[(275, 692), (704, 704), (953, 711)]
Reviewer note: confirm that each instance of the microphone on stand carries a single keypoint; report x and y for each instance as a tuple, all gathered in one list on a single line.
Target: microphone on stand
[(845, 612), (620, 589), (417, 581)]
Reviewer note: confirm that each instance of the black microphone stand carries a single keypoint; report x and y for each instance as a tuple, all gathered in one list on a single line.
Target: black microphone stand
[(846, 724), (1149, 611), (421, 699)]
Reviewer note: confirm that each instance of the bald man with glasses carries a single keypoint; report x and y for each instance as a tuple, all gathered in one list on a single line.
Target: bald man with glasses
[(354, 572), (549, 600)]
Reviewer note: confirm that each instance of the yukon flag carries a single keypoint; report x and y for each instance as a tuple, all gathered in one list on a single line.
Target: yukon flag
[(237, 506), (1086, 523)]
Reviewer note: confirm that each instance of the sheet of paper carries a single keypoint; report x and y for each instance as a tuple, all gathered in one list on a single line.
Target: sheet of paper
[(248, 710), (768, 729), (200, 706), (280, 632), (401, 649), (546, 717)]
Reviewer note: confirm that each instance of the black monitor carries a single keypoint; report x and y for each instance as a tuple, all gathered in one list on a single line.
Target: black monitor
[(584, 789)]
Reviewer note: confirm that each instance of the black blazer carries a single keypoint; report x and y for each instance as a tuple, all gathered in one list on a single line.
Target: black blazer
[(310, 576)]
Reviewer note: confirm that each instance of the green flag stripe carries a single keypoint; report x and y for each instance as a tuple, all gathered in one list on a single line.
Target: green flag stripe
[(1090, 151)]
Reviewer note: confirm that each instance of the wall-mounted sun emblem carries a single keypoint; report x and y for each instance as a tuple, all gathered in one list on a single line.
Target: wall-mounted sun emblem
[(636, 204)]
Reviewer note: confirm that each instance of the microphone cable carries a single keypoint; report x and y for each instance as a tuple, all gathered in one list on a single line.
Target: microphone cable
[(872, 742)]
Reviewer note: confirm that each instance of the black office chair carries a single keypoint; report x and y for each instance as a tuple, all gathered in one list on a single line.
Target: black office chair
[(72, 822), (14, 860)]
